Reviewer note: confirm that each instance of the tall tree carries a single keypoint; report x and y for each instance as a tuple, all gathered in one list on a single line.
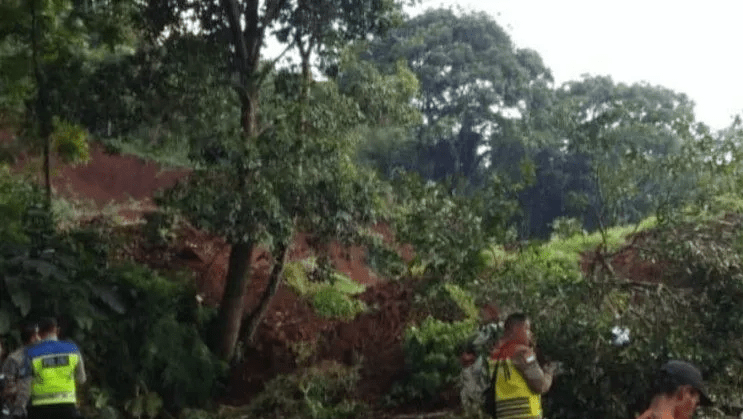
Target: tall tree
[(626, 133), (257, 210), (475, 84), (41, 41)]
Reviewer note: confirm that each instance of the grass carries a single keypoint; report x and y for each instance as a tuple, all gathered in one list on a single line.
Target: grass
[(332, 298), (568, 250), (170, 155)]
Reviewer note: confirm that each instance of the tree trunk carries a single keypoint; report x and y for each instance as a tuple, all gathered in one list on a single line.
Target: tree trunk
[(42, 111), (274, 282), (231, 309), (247, 42)]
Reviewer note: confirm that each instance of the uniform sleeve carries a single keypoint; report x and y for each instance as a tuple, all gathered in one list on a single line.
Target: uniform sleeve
[(538, 380), (80, 375)]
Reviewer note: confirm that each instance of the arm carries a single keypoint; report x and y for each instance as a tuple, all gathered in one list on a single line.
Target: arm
[(80, 375), (538, 380)]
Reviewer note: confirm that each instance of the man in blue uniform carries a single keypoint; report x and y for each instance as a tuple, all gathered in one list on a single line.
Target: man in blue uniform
[(57, 368)]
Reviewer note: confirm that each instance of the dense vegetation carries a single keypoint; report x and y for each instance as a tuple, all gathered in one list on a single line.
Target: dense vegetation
[(511, 190)]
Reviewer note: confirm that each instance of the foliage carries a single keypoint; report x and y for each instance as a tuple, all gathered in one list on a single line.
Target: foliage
[(641, 151), (566, 227), (575, 316), (449, 231), (431, 359), (16, 197), (570, 249), (319, 392), (331, 297), (329, 302), (473, 81), (70, 142), (139, 332)]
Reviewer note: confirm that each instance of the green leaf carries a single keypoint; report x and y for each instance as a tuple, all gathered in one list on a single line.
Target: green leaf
[(110, 297), (5, 322), (22, 300)]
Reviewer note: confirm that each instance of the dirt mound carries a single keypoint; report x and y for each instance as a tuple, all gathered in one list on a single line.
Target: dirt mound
[(373, 339), (628, 262), (114, 179)]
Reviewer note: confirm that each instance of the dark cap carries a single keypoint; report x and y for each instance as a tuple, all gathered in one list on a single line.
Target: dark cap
[(687, 374)]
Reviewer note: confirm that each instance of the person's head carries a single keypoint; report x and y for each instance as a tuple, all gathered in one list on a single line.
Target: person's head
[(47, 328), (679, 387), (29, 333), (489, 314), (517, 327)]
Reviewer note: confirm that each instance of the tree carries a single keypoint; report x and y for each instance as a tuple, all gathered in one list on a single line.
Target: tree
[(474, 86), (41, 41), (269, 176), (626, 133)]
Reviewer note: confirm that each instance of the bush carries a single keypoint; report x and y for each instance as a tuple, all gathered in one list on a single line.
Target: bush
[(139, 332), (431, 359), (331, 297), (320, 392), (574, 318), (331, 303)]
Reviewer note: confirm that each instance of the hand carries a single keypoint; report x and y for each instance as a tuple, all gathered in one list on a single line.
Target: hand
[(553, 368)]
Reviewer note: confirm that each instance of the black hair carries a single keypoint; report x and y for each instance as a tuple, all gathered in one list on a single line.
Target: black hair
[(47, 325), (514, 319), (28, 330)]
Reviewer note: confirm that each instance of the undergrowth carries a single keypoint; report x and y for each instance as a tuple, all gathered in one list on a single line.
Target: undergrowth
[(331, 295)]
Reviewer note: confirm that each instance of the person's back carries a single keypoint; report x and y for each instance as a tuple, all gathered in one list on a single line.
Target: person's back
[(474, 375), (16, 370), (57, 369)]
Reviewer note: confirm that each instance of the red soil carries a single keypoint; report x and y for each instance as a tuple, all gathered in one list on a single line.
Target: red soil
[(627, 263)]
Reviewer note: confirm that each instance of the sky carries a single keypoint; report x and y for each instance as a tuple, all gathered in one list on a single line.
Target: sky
[(692, 47)]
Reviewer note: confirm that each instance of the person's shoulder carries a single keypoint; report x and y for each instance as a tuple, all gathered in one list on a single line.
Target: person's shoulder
[(524, 354), (47, 347), (72, 346)]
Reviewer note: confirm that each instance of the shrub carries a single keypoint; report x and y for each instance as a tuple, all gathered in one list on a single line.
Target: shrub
[(329, 302), (319, 392), (332, 296), (690, 318), (139, 332), (431, 359)]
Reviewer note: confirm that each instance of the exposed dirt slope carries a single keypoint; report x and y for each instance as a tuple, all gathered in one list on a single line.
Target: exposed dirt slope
[(373, 337)]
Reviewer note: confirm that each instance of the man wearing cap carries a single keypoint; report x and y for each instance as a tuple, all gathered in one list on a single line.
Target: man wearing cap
[(677, 392)]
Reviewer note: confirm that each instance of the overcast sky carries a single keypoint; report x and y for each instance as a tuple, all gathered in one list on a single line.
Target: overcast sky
[(692, 47)]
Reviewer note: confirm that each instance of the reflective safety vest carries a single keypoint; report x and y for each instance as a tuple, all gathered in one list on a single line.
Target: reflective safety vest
[(53, 364), (513, 397)]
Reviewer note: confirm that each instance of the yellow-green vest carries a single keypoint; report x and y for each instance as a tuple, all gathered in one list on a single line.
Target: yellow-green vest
[(513, 397), (53, 364)]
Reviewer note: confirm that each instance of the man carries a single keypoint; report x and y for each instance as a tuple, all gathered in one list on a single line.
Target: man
[(518, 379), (677, 392), (474, 376), (16, 371), (57, 368)]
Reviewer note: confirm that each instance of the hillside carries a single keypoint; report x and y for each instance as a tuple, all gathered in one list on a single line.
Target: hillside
[(126, 185)]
